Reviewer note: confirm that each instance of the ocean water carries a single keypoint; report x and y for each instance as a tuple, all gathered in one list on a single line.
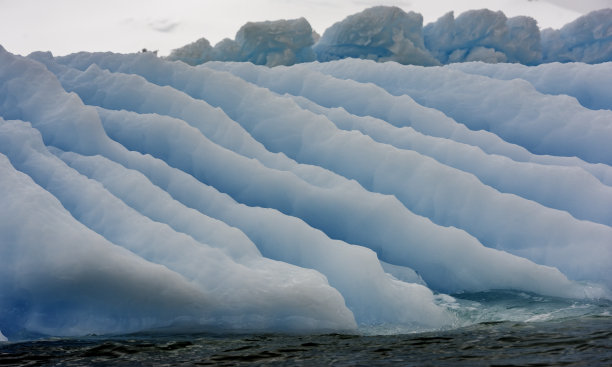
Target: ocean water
[(501, 329)]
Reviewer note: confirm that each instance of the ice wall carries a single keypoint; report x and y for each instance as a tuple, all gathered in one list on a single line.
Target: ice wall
[(380, 33), (270, 43), (241, 197), (587, 39), (384, 33), (411, 190), (201, 51), (484, 35)]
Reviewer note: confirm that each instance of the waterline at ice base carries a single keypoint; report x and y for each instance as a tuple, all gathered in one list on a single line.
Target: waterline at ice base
[(353, 196)]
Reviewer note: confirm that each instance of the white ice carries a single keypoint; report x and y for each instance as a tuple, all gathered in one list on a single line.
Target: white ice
[(380, 33), (523, 234), (270, 43), (484, 35), (587, 39), (140, 193), (388, 33)]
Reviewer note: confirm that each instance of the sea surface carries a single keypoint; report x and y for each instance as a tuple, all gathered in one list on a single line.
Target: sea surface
[(530, 331)]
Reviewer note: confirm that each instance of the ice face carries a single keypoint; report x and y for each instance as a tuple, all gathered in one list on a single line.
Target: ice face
[(412, 189), (460, 155), (190, 270), (308, 210), (295, 199), (380, 33), (270, 43), (207, 270), (484, 35), (281, 42), (587, 39), (384, 33), (194, 53)]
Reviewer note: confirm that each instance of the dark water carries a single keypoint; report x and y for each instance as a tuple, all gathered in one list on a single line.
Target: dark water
[(576, 341)]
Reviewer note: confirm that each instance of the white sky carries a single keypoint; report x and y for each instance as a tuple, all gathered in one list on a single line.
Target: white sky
[(66, 26)]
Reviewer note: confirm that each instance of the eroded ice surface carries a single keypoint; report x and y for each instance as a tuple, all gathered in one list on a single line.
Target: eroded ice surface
[(281, 42), (388, 33), (140, 193)]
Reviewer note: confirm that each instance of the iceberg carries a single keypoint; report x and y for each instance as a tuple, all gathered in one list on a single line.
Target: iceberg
[(141, 193), (281, 42), (388, 33), (270, 43), (410, 188), (421, 174), (587, 39), (453, 153), (484, 35), (203, 268), (198, 52), (380, 33)]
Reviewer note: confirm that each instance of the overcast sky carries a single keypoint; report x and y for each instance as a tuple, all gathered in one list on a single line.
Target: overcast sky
[(66, 26)]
